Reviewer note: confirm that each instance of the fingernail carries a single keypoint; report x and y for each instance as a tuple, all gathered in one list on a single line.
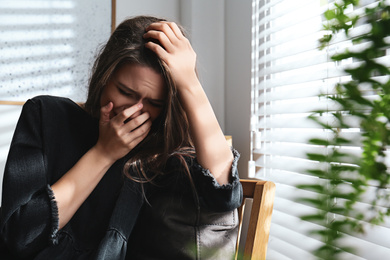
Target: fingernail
[(140, 105)]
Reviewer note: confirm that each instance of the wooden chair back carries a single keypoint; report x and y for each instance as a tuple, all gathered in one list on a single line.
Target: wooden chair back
[(262, 193)]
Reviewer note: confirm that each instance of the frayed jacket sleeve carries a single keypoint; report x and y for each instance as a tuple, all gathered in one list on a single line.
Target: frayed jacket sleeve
[(211, 194), (29, 214)]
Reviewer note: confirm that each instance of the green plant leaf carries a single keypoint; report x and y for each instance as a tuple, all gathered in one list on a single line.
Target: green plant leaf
[(338, 166), (319, 141)]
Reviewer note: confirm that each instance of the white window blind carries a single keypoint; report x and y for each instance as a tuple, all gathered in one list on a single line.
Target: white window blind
[(288, 73)]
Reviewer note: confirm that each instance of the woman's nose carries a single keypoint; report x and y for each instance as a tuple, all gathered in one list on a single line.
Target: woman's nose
[(140, 101)]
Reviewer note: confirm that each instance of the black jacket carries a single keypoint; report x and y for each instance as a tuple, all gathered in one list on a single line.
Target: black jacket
[(115, 222)]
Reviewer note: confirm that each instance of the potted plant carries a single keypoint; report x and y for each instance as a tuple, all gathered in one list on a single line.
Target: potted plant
[(365, 98)]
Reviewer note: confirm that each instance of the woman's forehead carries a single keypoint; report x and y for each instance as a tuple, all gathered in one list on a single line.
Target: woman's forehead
[(141, 79)]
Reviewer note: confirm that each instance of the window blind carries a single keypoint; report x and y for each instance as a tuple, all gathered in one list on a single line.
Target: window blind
[(288, 74)]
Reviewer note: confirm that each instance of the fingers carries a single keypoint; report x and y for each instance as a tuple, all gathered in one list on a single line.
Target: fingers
[(119, 134), (136, 122), (127, 113), (136, 130), (164, 43), (172, 47), (139, 134), (168, 35), (156, 48), (176, 30), (161, 32), (130, 119), (105, 112), (170, 29)]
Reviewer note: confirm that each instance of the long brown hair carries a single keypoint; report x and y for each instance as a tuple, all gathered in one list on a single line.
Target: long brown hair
[(169, 135)]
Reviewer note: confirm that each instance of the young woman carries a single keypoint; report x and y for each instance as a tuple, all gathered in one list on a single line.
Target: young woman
[(141, 171)]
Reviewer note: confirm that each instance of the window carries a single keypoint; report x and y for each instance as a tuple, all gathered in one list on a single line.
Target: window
[(46, 48), (288, 73)]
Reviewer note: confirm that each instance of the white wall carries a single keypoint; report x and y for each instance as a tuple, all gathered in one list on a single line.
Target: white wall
[(169, 9), (205, 21), (238, 22)]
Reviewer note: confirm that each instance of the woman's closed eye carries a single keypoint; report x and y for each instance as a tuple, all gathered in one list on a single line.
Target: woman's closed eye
[(155, 103), (124, 92)]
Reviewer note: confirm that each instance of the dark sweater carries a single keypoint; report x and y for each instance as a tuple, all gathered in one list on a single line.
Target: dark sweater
[(52, 134)]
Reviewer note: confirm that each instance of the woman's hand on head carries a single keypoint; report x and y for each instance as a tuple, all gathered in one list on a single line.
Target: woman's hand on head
[(175, 50), (121, 133)]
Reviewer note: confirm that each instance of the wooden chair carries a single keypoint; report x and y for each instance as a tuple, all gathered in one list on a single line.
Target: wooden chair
[(262, 193)]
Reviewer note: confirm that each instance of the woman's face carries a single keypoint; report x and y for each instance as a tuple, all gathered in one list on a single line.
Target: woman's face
[(132, 84)]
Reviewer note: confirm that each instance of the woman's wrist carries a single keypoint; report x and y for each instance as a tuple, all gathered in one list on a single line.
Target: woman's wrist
[(102, 156), (192, 93), (188, 83)]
